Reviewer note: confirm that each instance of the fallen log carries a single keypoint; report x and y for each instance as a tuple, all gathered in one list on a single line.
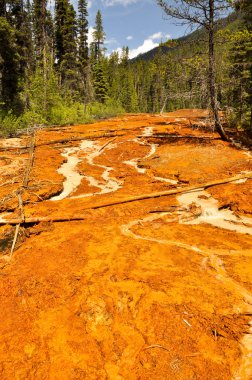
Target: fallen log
[(180, 190), (46, 219), (30, 162), (61, 141), (167, 136), (171, 192), (7, 148)]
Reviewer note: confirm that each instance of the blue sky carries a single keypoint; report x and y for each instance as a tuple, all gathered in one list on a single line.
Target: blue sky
[(139, 24)]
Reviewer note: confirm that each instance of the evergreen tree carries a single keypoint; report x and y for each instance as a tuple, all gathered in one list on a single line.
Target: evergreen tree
[(83, 59), (9, 68), (2, 8), (66, 43), (39, 22), (83, 34), (15, 68), (100, 81), (98, 36), (241, 68)]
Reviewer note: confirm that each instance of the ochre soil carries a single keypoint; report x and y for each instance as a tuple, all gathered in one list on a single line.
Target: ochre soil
[(87, 300)]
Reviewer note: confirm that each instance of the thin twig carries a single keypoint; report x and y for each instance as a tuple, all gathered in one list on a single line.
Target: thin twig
[(156, 346), (14, 240), (107, 143)]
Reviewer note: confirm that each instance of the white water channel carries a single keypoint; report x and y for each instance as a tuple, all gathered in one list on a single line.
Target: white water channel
[(211, 214), (73, 178), (148, 132), (109, 184), (68, 169)]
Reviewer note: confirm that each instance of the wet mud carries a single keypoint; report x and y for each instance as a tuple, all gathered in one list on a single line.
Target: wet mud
[(153, 289)]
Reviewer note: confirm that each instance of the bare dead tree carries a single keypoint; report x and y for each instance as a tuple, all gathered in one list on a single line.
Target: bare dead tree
[(202, 13)]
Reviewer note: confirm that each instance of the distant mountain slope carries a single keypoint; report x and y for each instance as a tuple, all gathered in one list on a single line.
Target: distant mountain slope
[(232, 21)]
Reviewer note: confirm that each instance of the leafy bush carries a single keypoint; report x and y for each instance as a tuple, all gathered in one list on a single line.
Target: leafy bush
[(105, 110), (68, 114), (30, 119), (8, 124)]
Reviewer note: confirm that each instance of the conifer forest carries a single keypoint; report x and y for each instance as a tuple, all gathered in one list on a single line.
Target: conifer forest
[(50, 75)]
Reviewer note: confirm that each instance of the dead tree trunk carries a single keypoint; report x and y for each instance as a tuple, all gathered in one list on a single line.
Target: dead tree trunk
[(211, 73)]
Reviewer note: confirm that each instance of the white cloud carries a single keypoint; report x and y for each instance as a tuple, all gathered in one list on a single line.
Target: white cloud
[(90, 35), (148, 44), (90, 4), (111, 41), (111, 3), (156, 36), (129, 38)]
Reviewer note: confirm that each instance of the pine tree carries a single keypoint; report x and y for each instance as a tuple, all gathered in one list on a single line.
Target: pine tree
[(60, 20), (19, 50), (241, 69), (39, 22), (83, 59), (66, 43), (9, 65), (98, 36), (100, 80), (2, 8), (83, 34)]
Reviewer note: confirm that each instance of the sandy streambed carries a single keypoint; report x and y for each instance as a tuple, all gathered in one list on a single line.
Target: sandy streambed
[(88, 150)]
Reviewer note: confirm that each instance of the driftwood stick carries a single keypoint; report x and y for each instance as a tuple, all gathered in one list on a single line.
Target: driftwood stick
[(91, 137), (30, 162), (107, 143), (167, 136), (21, 208), (7, 148), (128, 200), (33, 220), (20, 204), (14, 240), (61, 141)]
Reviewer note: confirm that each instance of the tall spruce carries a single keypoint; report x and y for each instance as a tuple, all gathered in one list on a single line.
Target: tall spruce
[(83, 51), (82, 33), (39, 22), (9, 65), (17, 57), (66, 42), (241, 69), (98, 36), (2, 8)]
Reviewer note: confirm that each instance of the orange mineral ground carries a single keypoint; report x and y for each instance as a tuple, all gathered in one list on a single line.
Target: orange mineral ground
[(102, 278)]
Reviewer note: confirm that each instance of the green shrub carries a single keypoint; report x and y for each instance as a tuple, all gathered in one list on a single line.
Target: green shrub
[(30, 119), (8, 124), (104, 110)]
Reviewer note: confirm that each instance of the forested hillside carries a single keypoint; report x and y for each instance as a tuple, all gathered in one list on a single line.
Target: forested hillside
[(50, 75)]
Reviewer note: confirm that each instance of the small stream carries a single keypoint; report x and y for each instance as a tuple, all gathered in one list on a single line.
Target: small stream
[(211, 214), (73, 178), (109, 184), (68, 169), (148, 132)]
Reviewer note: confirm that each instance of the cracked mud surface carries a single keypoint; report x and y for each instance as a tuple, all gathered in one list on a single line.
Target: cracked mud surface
[(152, 289)]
